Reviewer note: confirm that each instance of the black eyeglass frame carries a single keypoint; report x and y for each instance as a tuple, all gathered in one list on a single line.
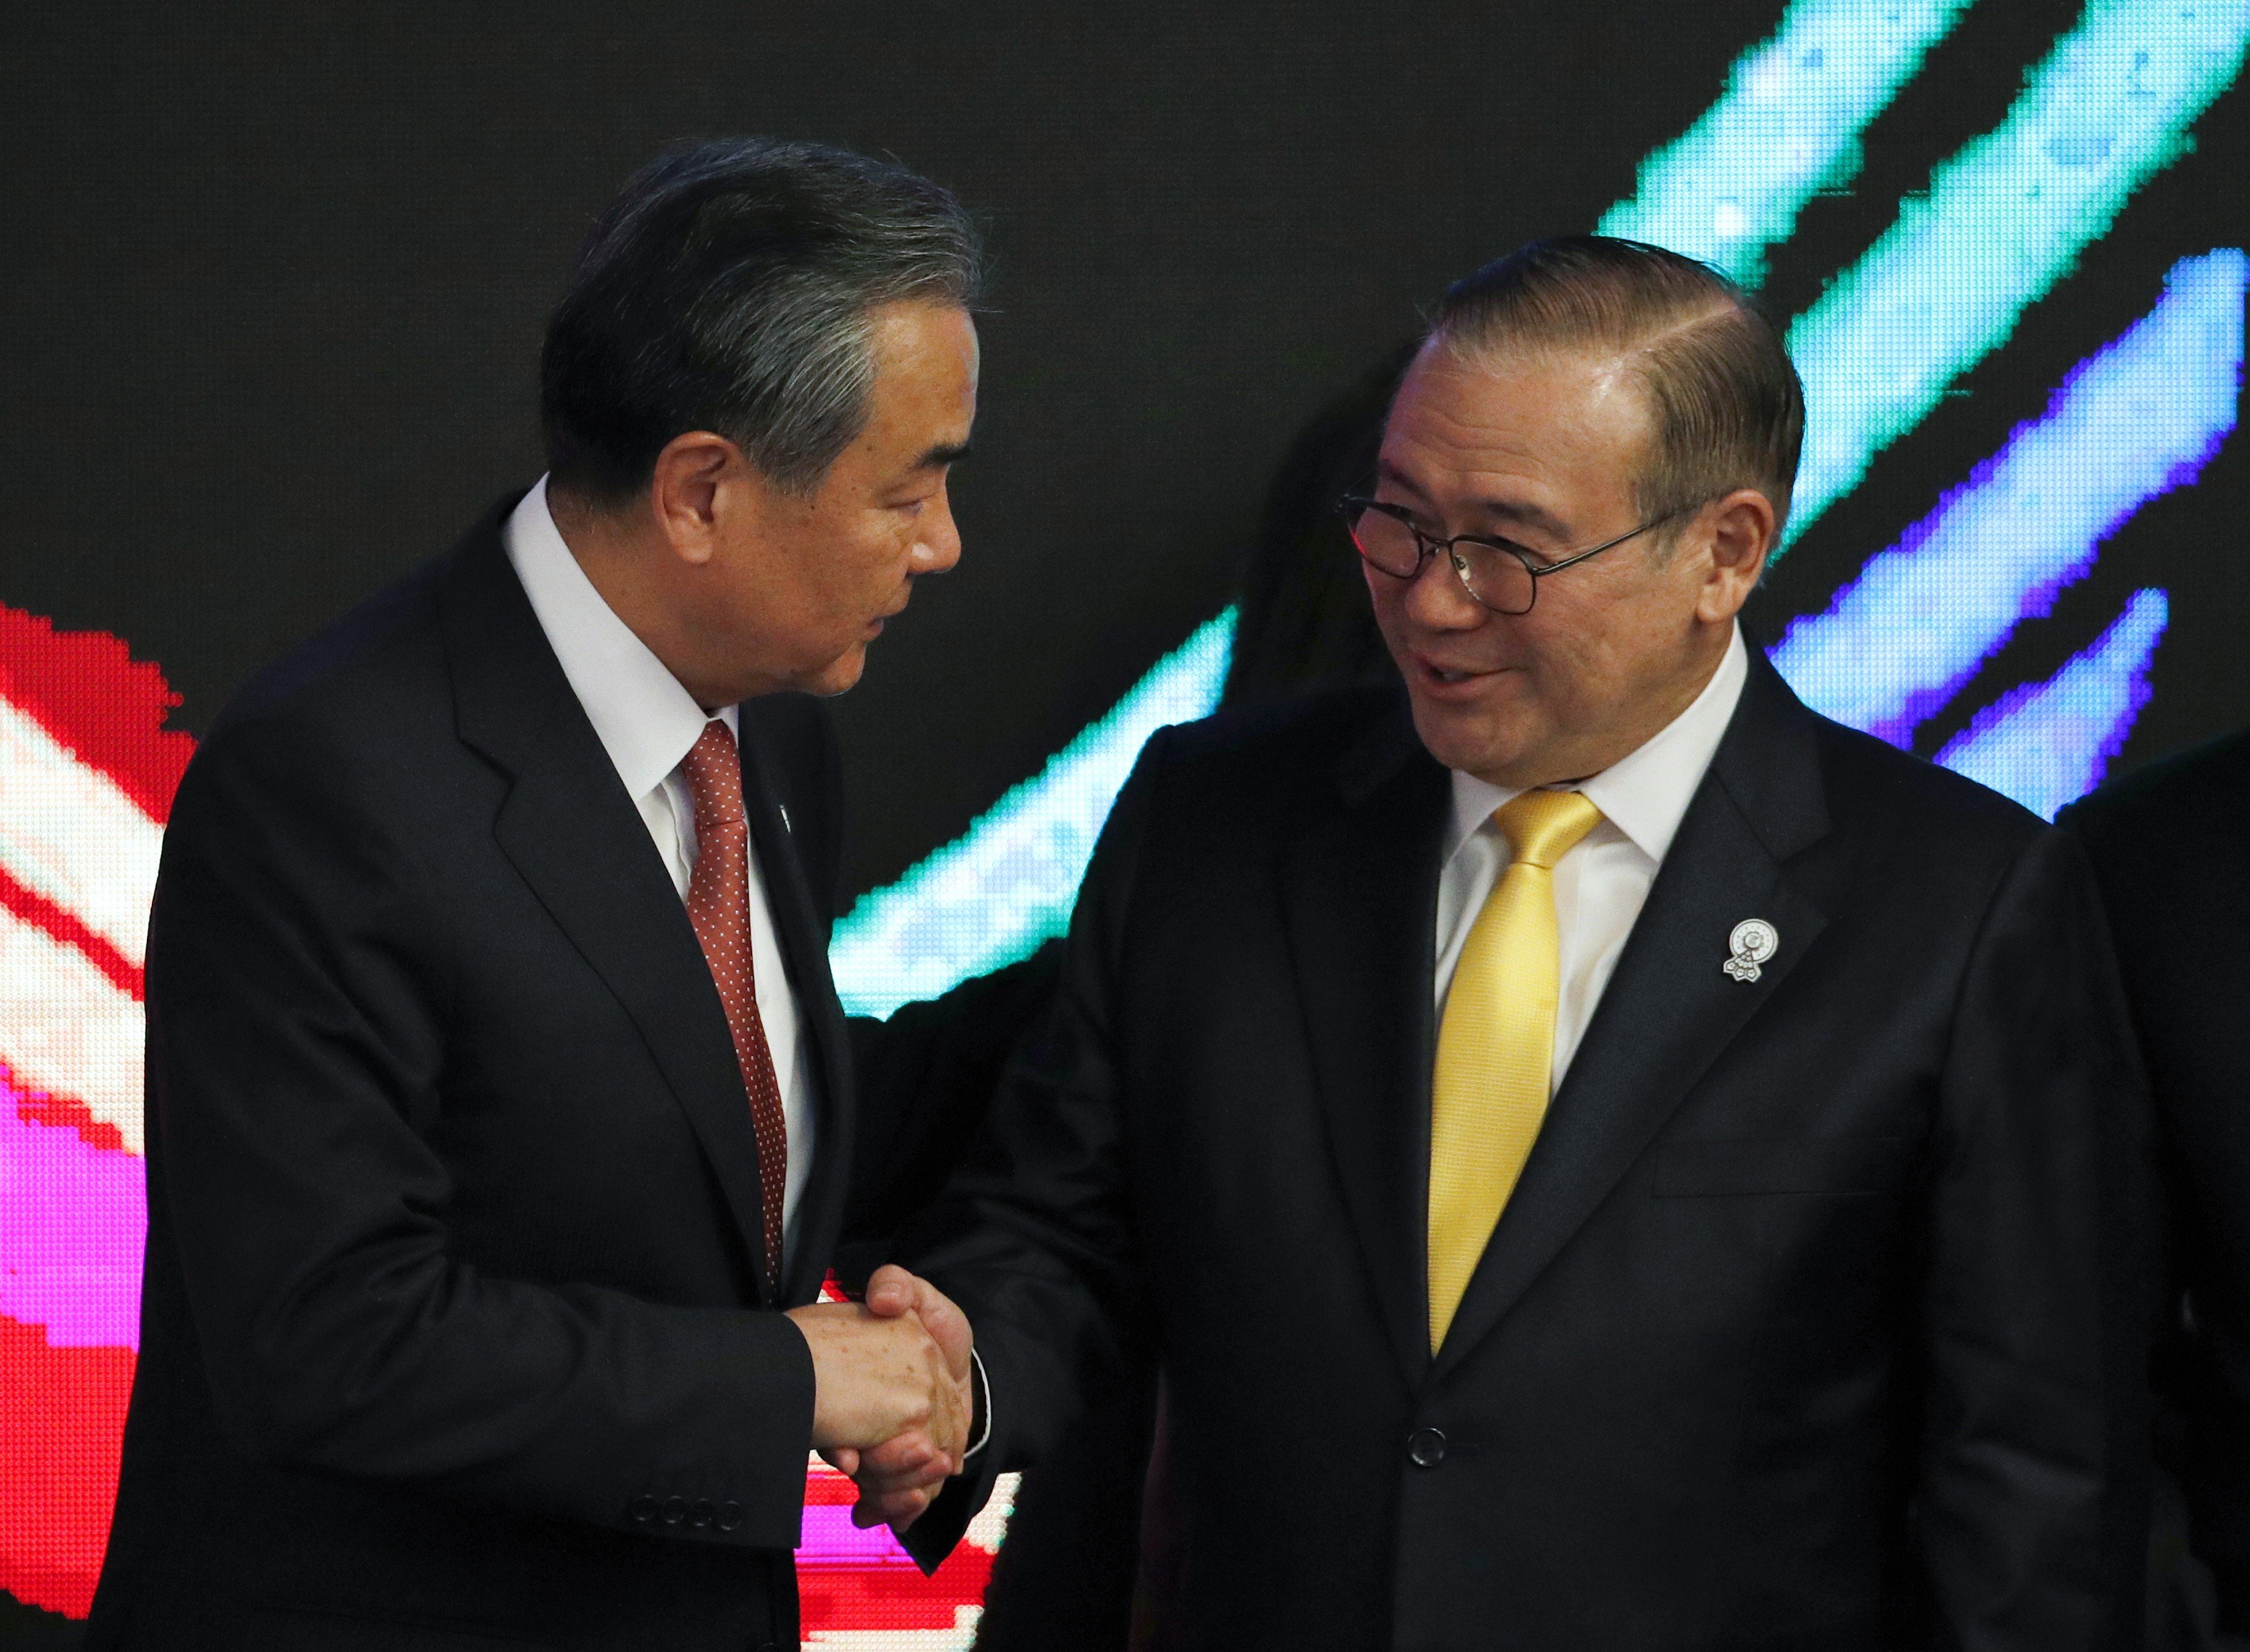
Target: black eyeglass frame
[(1352, 507)]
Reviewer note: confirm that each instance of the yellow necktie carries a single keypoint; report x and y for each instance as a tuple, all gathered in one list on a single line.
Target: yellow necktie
[(1497, 1045)]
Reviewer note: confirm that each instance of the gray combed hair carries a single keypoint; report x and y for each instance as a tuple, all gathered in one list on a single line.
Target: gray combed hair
[(731, 287), (1728, 409)]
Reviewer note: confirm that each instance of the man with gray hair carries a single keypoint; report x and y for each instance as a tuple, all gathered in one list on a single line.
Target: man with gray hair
[(500, 1119), (1607, 1159)]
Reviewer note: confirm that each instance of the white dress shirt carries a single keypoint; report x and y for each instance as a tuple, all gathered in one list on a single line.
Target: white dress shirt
[(647, 722), (1601, 883)]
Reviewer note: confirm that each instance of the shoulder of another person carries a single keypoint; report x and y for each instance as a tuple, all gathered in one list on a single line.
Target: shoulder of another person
[(2170, 849), (1211, 796), (2202, 791), (1311, 736)]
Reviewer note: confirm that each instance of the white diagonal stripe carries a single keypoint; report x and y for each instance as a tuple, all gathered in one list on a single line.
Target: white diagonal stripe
[(990, 1524), (66, 1029), (959, 1638), (69, 833)]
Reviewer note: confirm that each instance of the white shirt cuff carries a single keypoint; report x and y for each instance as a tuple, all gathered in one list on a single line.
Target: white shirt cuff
[(985, 1391)]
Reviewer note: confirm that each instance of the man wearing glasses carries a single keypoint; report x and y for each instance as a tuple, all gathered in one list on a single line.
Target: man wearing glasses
[(1608, 1160)]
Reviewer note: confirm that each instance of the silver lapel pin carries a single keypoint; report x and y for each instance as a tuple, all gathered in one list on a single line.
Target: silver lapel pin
[(1751, 944), (786, 826)]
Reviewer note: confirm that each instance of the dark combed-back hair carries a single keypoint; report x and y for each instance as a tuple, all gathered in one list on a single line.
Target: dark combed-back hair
[(729, 288), (1728, 409)]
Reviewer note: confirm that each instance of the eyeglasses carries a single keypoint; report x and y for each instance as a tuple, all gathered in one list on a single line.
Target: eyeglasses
[(1496, 574)]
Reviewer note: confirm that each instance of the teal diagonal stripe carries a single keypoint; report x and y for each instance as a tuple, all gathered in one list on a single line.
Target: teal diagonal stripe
[(2002, 221), (1787, 127), (1008, 883)]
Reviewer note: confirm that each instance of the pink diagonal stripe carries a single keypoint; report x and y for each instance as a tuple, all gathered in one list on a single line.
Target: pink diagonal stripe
[(73, 1219)]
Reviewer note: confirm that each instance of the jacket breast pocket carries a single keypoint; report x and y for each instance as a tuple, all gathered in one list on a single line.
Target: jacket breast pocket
[(1838, 1166)]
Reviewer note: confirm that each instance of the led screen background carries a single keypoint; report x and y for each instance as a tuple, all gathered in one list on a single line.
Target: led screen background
[(276, 292)]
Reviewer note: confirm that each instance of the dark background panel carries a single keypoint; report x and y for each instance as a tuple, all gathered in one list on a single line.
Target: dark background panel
[(276, 280), (275, 277)]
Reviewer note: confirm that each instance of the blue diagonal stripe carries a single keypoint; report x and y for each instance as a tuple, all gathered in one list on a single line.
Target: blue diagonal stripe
[(2138, 417), (2048, 746)]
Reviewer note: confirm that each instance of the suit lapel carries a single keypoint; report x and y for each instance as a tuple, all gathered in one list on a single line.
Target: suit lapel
[(578, 840), (805, 941), (1670, 1009), (1359, 889)]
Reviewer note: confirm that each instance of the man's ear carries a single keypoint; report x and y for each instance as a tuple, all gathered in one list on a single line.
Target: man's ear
[(687, 489), (1742, 529)]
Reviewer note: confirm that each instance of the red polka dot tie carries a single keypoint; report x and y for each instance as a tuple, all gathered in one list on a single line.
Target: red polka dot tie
[(719, 906)]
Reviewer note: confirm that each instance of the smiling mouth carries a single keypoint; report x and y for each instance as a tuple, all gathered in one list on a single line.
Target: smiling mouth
[(1449, 676)]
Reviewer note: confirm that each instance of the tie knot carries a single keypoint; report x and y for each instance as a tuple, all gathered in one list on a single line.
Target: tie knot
[(1544, 827), (713, 769)]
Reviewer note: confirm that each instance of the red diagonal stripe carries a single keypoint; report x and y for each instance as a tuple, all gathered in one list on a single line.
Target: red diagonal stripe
[(105, 707), (65, 1412), (64, 1112), (65, 925)]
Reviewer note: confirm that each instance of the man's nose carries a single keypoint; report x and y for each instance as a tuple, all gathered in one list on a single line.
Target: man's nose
[(1436, 599), (940, 546)]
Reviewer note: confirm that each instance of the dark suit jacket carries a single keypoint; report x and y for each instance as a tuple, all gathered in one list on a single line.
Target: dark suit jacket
[(2170, 847), (1809, 1324), (926, 1077), (925, 1080), (451, 1327)]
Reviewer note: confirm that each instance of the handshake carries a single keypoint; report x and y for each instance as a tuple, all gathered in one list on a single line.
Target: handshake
[(893, 1396)]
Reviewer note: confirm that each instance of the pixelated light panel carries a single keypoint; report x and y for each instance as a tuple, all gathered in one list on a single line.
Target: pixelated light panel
[(2000, 222), (87, 769)]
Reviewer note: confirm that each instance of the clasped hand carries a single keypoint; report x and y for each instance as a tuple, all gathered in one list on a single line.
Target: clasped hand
[(893, 1397)]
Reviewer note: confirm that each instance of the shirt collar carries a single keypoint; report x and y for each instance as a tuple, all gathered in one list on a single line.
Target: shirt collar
[(1644, 794), (646, 721)]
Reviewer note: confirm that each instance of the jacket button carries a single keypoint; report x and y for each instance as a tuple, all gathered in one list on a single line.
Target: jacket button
[(730, 1515), (675, 1510), (701, 1513), (642, 1509), (1426, 1447)]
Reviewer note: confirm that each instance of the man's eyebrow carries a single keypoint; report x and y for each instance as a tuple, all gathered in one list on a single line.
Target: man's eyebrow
[(943, 455), (1514, 510), (1387, 472), (1529, 516)]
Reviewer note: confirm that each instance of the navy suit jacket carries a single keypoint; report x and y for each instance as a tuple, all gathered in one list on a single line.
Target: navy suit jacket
[(452, 1333), (1814, 1321)]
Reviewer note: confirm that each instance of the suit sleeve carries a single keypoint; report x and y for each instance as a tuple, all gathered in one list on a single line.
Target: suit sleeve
[(2030, 1508), (298, 1073), (925, 1080), (1032, 1237)]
